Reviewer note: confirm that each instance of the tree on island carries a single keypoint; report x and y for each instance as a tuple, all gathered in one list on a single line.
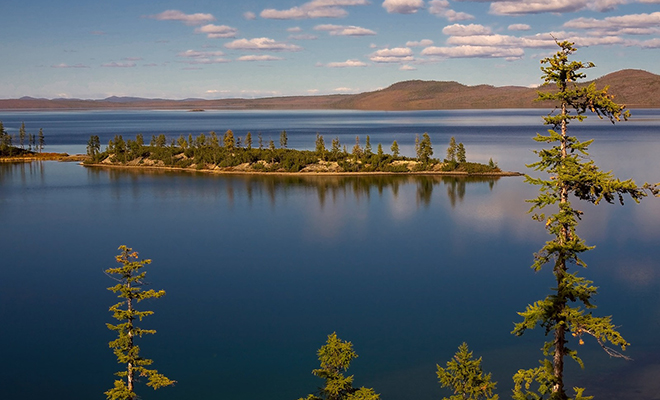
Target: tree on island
[(21, 135), (464, 376), (248, 141), (335, 357), (566, 312), (283, 140), (460, 153), (129, 288), (395, 149), (41, 141), (319, 146), (93, 147)]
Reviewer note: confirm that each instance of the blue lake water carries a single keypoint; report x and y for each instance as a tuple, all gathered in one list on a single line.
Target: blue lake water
[(260, 269)]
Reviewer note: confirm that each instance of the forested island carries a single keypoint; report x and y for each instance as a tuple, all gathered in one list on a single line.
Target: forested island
[(231, 154)]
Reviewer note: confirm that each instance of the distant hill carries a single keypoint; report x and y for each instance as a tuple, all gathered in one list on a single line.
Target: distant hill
[(635, 88)]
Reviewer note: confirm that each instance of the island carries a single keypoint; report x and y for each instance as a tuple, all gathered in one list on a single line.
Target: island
[(240, 155)]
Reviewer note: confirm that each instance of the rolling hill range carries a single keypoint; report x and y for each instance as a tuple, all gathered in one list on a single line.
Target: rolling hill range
[(635, 88)]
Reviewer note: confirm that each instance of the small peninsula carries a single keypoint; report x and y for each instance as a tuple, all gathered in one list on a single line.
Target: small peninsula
[(229, 154)]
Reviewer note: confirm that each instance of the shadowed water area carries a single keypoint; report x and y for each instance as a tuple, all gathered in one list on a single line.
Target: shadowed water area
[(260, 269)]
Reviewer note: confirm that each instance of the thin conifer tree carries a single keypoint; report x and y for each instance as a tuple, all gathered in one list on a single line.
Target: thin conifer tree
[(129, 288), (567, 311)]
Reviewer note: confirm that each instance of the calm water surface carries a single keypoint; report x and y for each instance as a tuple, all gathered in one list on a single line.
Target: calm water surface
[(259, 270)]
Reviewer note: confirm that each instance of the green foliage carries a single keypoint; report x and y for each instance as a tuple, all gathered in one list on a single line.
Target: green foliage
[(320, 146), (336, 357), (129, 288), (395, 149), (248, 141), (464, 376), (424, 149), (571, 175), (460, 153), (93, 147), (451, 150), (228, 140), (21, 135)]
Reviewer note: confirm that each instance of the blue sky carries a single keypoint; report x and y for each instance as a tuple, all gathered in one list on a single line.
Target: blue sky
[(219, 49)]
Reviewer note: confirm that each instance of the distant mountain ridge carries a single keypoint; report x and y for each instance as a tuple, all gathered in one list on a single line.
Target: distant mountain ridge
[(635, 88)]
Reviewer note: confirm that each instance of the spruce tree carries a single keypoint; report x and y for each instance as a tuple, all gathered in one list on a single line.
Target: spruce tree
[(460, 153), (283, 139), (335, 357), (21, 135), (129, 288), (464, 376), (395, 149), (248, 141), (42, 140), (573, 175)]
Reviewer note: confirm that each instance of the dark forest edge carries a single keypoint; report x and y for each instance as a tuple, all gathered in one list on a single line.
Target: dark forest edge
[(230, 154)]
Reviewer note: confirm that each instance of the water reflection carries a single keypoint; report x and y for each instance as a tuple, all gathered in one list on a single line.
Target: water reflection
[(26, 171), (328, 188)]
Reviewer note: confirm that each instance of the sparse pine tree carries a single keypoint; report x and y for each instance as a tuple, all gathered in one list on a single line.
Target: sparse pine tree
[(367, 147), (261, 141), (21, 135), (336, 147), (395, 149), (451, 150), (568, 310), (129, 288), (320, 146), (283, 139), (41, 140), (357, 150), (228, 140), (460, 153), (248, 141), (425, 149), (379, 152)]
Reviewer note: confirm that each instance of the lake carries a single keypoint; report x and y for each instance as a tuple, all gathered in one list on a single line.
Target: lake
[(258, 270)]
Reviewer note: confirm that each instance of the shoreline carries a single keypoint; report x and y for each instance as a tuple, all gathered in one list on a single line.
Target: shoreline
[(230, 171)]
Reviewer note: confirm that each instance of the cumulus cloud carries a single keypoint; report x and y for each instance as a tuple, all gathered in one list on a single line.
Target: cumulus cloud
[(519, 27), (545, 41), (394, 55), (344, 90), (188, 19), (314, 9), (403, 6), (346, 64), (421, 43), (537, 6), (294, 29), (259, 58), (466, 30), (249, 15), (407, 68), (341, 30), (473, 52), (63, 65), (217, 31), (119, 65), (650, 44), (441, 8), (261, 44)]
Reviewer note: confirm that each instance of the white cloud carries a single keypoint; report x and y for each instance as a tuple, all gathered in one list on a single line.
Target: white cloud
[(261, 44), (119, 65), (544, 41), (537, 6), (421, 43), (69, 66), (303, 37), (259, 58), (519, 27), (650, 44), (441, 8), (407, 68), (217, 31), (473, 52), (203, 57), (249, 15), (395, 55), (346, 64), (294, 29), (605, 5), (344, 90), (200, 54), (632, 21), (403, 6), (314, 9), (341, 30), (466, 30), (188, 19), (312, 91)]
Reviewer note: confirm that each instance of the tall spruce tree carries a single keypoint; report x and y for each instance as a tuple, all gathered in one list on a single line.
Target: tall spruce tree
[(572, 175), (129, 288), (335, 357)]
